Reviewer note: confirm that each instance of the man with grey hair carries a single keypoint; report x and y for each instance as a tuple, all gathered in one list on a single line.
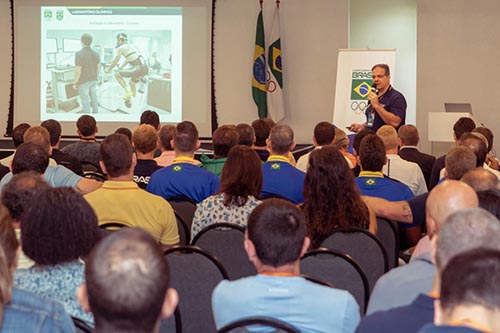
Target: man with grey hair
[(481, 180), (400, 286), (462, 231), (280, 178)]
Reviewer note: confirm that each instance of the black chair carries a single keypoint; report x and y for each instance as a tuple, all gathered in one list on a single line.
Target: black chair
[(194, 274), (185, 207), (364, 247), (338, 269), (225, 241), (172, 324), (184, 231), (81, 326), (109, 227), (95, 175), (239, 325), (317, 280), (388, 234)]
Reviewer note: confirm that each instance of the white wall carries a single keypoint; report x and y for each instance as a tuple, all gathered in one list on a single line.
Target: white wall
[(311, 34), (390, 24), (5, 63)]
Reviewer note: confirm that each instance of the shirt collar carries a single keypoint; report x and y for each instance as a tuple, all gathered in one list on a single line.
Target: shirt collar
[(278, 158), (120, 185), (376, 174), (185, 159)]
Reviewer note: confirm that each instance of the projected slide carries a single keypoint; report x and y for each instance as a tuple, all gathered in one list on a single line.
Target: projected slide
[(111, 62)]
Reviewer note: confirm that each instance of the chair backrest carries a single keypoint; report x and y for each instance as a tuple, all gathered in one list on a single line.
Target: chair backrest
[(338, 269), (194, 274), (225, 241), (95, 175), (364, 247), (184, 231), (387, 232), (172, 324), (81, 326), (241, 324), (185, 207)]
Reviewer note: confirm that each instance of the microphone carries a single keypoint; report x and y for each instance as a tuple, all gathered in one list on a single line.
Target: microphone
[(374, 88)]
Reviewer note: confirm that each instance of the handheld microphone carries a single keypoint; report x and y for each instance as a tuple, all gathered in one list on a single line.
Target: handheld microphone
[(374, 88)]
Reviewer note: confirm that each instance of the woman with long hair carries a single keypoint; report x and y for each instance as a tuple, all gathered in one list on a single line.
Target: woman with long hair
[(241, 183), (331, 198)]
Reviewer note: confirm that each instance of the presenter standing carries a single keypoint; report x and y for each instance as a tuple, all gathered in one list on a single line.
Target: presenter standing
[(86, 69), (386, 105), (138, 69)]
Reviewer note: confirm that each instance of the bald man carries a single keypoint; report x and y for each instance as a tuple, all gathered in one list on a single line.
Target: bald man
[(481, 180), (400, 286)]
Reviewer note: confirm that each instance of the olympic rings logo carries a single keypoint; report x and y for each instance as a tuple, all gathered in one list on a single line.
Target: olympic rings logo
[(359, 107)]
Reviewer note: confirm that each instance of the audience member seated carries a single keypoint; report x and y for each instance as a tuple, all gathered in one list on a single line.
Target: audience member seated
[(490, 200), (145, 141), (121, 200), (246, 135), (481, 179), (240, 187), (152, 118), (165, 136), (356, 142), (470, 294), (491, 161), (183, 177), (324, 134), (456, 237), (397, 168), (21, 311), (408, 150), (125, 131), (17, 139), (57, 230), (279, 176), (331, 199), (341, 142), (461, 126), (64, 159), (400, 286), (223, 139), (276, 239), (17, 196), (127, 284), (86, 150), (262, 128)]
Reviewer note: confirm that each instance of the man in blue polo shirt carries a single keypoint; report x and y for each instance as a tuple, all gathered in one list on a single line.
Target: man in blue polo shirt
[(386, 105), (184, 177), (280, 178)]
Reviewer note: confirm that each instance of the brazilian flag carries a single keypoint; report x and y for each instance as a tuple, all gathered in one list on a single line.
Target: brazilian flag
[(259, 69)]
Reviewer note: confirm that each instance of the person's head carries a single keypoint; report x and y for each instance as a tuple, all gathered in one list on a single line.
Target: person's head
[(165, 136), (20, 191), (117, 156), (356, 143), (445, 199), (329, 187), (372, 153), (461, 126), (262, 129), (487, 133), (86, 126), (481, 179), (38, 135), (408, 135), (145, 139), (247, 135), (341, 140), (490, 200), (381, 76), (185, 138), (280, 140), (389, 137), (241, 176), (121, 39), (458, 161), (58, 227), (477, 144), (30, 157), (55, 130), (276, 234), (86, 39), (150, 118), (470, 290), (125, 131), (127, 283), (324, 134), (224, 138), (18, 134), (465, 230), (8, 258)]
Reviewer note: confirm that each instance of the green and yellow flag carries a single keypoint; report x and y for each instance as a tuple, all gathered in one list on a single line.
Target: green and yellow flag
[(259, 69)]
